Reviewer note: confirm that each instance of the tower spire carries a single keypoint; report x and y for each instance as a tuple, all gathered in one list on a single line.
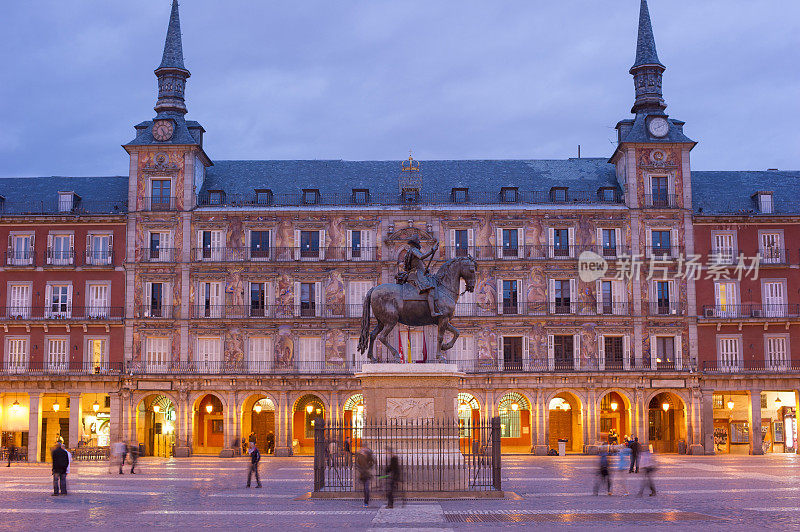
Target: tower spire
[(647, 70), (171, 73)]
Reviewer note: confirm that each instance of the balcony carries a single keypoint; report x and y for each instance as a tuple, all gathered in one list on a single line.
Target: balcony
[(56, 257), (62, 313), (39, 367), (285, 254), (159, 203), (77, 208), (751, 366), (663, 252), (20, 258), (163, 312), (661, 201), (751, 311), (666, 308), (99, 258), (773, 256), (245, 367), (566, 365), (158, 254)]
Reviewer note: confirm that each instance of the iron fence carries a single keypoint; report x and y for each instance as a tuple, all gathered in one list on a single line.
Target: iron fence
[(451, 455), (20, 454)]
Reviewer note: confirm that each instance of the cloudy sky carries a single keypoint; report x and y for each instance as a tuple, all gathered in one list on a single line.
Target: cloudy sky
[(315, 79)]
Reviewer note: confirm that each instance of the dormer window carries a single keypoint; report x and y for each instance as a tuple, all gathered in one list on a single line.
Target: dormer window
[(459, 195), (216, 197), (410, 195), (558, 194), (360, 196), (311, 196), (509, 194), (607, 194), (66, 201), (263, 196), (765, 202)]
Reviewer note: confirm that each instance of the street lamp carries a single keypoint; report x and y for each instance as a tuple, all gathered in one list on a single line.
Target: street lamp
[(96, 406), (56, 406), (309, 408), (514, 407), (209, 408), (614, 406), (257, 409), (665, 406), (730, 404), (777, 402), (15, 406)]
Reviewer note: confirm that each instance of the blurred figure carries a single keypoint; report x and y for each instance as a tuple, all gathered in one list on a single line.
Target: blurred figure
[(623, 463), (270, 443), (649, 466), (636, 449), (12, 450), (603, 476), (60, 459), (348, 451), (392, 477), (255, 458), (364, 464), (134, 452)]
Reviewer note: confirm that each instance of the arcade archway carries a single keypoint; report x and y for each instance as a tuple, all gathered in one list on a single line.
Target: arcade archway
[(666, 418), (258, 423), (155, 425), (208, 425), (613, 418), (307, 412), (515, 422), (564, 412)]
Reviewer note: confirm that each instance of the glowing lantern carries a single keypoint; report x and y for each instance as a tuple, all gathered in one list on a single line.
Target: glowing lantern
[(730, 404), (257, 408), (665, 406), (209, 408), (96, 406), (309, 408), (156, 408), (777, 401), (56, 407), (614, 406), (514, 407)]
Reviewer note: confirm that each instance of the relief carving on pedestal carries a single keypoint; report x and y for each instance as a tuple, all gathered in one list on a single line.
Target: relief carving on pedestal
[(409, 408)]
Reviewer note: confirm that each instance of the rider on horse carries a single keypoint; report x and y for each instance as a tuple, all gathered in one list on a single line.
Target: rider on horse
[(414, 265)]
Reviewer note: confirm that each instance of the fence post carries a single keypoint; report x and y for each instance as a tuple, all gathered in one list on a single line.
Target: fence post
[(319, 454), (496, 479)]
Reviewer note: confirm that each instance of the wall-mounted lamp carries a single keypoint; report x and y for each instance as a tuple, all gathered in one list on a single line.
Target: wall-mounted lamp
[(257, 408), (209, 408), (665, 406), (614, 406)]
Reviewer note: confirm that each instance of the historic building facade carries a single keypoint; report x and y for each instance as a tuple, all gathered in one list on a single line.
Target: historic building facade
[(244, 283)]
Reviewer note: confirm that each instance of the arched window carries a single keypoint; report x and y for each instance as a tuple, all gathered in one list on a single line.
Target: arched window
[(467, 404), (510, 421), (355, 404)]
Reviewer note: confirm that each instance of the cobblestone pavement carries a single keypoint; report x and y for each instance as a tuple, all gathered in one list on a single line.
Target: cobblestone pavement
[(719, 492)]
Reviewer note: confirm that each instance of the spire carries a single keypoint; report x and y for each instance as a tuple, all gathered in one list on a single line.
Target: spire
[(171, 73), (647, 70)]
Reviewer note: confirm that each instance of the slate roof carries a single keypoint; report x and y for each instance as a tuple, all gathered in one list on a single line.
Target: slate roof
[(382, 177), (181, 136), (173, 47), (39, 195), (717, 192), (645, 43), (638, 130)]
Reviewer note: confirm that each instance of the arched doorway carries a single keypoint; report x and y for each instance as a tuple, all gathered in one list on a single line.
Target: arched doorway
[(209, 425), (469, 417), (353, 416), (666, 416), (308, 410), (565, 422), (258, 423), (515, 423), (614, 418), (155, 425)]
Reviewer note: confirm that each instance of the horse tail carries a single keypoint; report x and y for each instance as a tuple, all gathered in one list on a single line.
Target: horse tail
[(363, 340)]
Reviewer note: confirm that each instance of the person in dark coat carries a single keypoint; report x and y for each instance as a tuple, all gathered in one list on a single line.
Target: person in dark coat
[(393, 478), (133, 451), (60, 465), (270, 443), (12, 450), (255, 458), (364, 463), (636, 449), (603, 476)]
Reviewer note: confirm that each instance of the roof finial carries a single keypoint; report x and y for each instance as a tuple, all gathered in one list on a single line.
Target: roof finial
[(171, 73), (647, 70)]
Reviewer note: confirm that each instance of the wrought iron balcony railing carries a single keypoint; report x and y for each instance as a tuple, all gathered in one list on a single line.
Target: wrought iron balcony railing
[(158, 254), (40, 367), (751, 311), (772, 365), (284, 254), (773, 255), (98, 257), (62, 312), (55, 207), (159, 203), (666, 308), (661, 201), (20, 258)]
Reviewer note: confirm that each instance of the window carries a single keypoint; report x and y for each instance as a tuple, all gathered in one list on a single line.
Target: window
[(356, 292), (776, 352), (160, 194), (510, 241), (614, 352), (210, 244), (158, 351), (259, 244), (259, 359), (510, 409), (60, 249), (512, 353), (309, 244), (360, 196), (723, 247), (729, 356), (561, 296), (564, 352), (607, 194), (463, 354), (19, 301), (727, 302), (509, 194), (510, 297), (209, 354), (770, 247), (765, 203), (311, 196), (59, 300), (607, 296), (258, 299), (16, 359), (773, 298), (740, 432), (97, 300), (660, 192), (359, 245), (57, 354), (263, 197), (98, 249), (308, 299), (460, 195), (561, 243), (661, 242), (409, 196), (216, 197), (461, 242), (558, 194), (97, 353), (156, 300), (212, 302), (160, 250), (21, 250), (665, 352), (65, 201), (662, 295), (310, 353), (608, 241)]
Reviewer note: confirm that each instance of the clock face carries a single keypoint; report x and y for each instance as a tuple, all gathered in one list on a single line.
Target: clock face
[(162, 130), (658, 127)]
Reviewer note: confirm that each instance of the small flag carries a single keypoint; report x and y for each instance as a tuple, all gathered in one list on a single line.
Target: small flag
[(400, 344), (408, 333), (424, 349)]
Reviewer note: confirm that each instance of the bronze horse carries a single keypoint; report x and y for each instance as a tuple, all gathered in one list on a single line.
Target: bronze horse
[(392, 303)]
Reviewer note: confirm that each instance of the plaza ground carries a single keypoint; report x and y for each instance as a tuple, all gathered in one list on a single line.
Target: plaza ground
[(713, 492)]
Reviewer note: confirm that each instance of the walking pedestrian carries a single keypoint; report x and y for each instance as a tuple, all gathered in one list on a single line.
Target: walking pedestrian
[(12, 450), (134, 452), (602, 472), (623, 462), (270, 443), (649, 466), (255, 458), (123, 450), (60, 458), (392, 478), (636, 449), (364, 464)]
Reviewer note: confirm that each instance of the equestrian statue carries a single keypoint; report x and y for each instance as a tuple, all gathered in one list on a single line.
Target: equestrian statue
[(416, 299)]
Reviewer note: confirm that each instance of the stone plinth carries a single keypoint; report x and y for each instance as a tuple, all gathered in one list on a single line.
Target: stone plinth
[(410, 391)]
